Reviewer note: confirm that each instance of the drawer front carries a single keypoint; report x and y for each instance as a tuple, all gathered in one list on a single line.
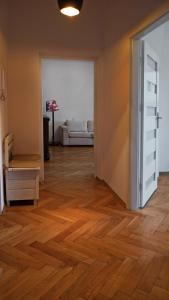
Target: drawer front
[(25, 194), (21, 184), (22, 174)]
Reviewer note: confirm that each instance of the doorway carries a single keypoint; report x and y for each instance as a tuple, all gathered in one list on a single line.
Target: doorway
[(150, 111), (68, 87)]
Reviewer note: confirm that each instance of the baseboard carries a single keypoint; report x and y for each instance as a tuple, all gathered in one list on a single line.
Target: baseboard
[(164, 173)]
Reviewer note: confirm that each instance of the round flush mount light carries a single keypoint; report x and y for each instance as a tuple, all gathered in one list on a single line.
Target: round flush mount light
[(70, 8)]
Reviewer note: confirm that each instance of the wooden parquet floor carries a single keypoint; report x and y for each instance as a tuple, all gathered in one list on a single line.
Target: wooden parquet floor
[(81, 243)]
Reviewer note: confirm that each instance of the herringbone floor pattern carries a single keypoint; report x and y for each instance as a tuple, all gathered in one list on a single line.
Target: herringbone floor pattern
[(81, 243)]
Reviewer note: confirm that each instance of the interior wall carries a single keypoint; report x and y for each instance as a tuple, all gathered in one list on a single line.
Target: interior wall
[(50, 34), (113, 118), (113, 80), (159, 41), (3, 105), (71, 84)]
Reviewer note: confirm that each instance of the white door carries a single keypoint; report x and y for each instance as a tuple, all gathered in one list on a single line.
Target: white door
[(150, 124)]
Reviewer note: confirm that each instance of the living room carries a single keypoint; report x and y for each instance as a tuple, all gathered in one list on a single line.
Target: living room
[(68, 106), (69, 84)]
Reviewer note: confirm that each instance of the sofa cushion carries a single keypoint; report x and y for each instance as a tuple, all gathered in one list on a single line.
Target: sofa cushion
[(90, 126), (77, 126), (80, 134)]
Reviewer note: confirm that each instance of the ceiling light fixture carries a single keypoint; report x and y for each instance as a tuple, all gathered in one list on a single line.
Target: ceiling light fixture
[(70, 8)]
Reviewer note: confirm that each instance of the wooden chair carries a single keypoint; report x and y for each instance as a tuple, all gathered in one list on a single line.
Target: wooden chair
[(21, 174)]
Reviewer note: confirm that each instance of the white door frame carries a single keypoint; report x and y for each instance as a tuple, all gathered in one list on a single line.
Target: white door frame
[(136, 112)]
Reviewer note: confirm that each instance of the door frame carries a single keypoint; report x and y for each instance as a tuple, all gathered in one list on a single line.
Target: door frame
[(136, 110), (46, 55)]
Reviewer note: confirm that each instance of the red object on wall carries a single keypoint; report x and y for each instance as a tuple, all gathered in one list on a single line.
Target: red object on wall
[(52, 105)]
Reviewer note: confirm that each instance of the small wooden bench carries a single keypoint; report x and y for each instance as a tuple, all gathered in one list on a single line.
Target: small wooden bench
[(21, 174)]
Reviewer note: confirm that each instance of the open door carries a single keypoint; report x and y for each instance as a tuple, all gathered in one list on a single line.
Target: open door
[(150, 124)]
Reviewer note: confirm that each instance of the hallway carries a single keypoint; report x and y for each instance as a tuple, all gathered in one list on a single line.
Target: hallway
[(69, 175), (80, 242)]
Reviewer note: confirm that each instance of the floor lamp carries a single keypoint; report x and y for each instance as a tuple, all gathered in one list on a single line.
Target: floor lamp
[(52, 106)]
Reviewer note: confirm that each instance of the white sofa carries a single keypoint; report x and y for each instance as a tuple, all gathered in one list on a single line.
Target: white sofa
[(77, 133)]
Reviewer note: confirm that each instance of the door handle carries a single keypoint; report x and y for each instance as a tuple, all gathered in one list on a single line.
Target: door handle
[(158, 119)]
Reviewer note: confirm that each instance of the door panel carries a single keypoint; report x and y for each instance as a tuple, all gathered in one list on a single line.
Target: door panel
[(150, 105)]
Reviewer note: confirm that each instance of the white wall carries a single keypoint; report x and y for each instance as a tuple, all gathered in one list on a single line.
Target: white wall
[(71, 84), (113, 92), (51, 34), (159, 41)]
